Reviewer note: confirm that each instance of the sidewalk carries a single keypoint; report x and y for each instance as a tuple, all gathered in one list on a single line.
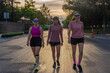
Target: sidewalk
[(10, 38), (16, 57), (98, 36)]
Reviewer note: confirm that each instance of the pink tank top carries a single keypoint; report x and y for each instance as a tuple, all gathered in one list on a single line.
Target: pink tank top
[(35, 31)]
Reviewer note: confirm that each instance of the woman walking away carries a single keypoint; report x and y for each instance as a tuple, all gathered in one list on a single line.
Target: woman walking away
[(55, 38), (36, 40), (77, 37)]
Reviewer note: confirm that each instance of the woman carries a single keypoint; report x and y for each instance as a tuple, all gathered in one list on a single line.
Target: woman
[(77, 37), (36, 40), (55, 38)]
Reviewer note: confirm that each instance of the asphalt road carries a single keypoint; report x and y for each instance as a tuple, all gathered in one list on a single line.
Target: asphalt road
[(16, 57)]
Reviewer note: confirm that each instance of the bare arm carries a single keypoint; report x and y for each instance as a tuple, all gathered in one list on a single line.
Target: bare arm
[(61, 34), (41, 30), (83, 29), (69, 32), (49, 34), (29, 36)]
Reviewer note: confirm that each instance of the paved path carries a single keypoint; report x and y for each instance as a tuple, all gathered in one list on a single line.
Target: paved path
[(16, 57)]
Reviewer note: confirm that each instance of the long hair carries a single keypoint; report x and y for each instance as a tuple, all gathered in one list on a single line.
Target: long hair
[(59, 22), (56, 18)]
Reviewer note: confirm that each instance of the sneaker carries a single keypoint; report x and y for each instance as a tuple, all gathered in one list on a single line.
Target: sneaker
[(36, 68), (74, 66), (54, 65), (58, 63), (80, 68)]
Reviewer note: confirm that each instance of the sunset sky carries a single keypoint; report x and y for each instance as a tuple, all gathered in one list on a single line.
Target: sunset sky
[(54, 5)]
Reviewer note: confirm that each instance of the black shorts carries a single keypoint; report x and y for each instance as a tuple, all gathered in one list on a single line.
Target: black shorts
[(35, 41), (54, 43), (75, 41)]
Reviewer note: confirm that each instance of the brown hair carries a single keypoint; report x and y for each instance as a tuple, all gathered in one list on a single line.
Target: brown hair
[(56, 18)]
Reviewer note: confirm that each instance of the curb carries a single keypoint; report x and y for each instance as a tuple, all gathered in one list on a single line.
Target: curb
[(107, 34)]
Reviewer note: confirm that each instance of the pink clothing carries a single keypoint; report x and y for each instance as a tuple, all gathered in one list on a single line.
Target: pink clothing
[(74, 60), (79, 61), (35, 31), (55, 33), (77, 29)]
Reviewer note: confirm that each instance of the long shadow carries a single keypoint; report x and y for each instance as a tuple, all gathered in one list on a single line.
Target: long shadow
[(56, 70), (76, 70), (102, 44)]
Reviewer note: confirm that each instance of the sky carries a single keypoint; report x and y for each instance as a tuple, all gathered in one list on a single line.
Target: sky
[(55, 7)]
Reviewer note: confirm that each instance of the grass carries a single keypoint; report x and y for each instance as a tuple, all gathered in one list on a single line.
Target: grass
[(99, 30), (11, 34)]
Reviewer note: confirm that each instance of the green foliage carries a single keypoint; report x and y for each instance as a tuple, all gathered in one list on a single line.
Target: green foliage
[(95, 12), (46, 12), (11, 34), (68, 19), (100, 30), (26, 32), (45, 27), (28, 11)]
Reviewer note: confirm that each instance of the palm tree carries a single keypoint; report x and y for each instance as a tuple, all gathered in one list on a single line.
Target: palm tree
[(29, 3)]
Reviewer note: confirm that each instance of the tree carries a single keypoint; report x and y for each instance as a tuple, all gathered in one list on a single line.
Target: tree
[(29, 3), (92, 11), (46, 12)]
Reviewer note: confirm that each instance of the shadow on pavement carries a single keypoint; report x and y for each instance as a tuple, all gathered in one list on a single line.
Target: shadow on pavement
[(56, 70)]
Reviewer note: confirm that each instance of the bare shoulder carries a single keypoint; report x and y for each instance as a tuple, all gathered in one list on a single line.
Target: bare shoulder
[(30, 28)]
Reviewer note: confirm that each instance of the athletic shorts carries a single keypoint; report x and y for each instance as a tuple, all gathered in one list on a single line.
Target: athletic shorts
[(35, 41), (54, 43), (75, 41)]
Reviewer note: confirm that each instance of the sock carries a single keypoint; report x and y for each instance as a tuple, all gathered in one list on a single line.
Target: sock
[(74, 60), (79, 61), (37, 64)]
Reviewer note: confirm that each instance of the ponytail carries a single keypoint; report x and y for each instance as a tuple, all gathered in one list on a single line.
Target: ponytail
[(59, 22)]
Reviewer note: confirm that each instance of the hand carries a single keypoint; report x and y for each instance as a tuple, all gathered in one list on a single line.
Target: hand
[(27, 44), (47, 43), (69, 40), (43, 45), (61, 43)]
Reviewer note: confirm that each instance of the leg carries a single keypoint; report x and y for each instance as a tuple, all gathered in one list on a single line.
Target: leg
[(37, 50), (53, 52), (33, 50), (58, 52), (80, 52), (74, 53)]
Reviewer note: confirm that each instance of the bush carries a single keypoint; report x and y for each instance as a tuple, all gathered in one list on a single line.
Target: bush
[(11, 34), (45, 27), (26, 32), (99, 30)]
